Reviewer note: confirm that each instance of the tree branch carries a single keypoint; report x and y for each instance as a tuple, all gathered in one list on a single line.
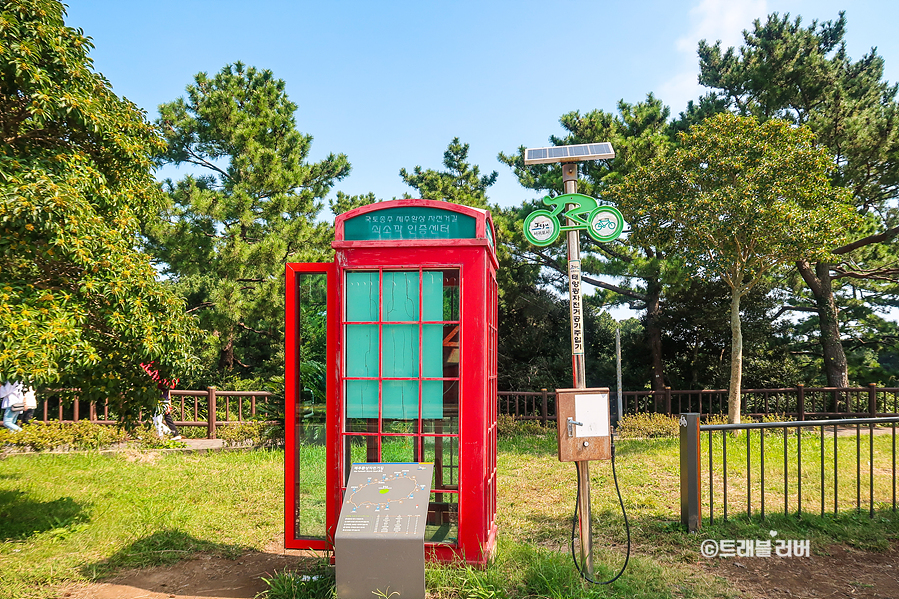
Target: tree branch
[(879, 274), (888, 234), (808, 275), (610, 287), (793, 309), (203, 305), (252, 330)]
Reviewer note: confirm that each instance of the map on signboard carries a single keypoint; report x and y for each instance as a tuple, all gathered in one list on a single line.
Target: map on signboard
[(388, 498)]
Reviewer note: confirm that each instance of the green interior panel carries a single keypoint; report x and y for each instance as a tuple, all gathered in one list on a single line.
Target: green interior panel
[(399, 399), (362, 350), (399, 350), (400, 296), (432, 399), (362, 296), (432, 350), (362, 399)]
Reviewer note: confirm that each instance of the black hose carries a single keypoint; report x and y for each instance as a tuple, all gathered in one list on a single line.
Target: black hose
[(627, 527)]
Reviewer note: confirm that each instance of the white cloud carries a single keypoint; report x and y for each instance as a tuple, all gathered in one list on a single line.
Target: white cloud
[(711, 20)]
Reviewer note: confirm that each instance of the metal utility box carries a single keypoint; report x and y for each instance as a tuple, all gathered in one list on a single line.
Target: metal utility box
[(582, 416), (391, 357), (379, 545)]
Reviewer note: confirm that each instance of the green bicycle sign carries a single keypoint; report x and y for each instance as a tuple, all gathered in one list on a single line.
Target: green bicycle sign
[(603, 223)]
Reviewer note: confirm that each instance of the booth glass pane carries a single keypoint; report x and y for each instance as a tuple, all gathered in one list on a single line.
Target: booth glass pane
[(432, 399), (309, 424), (361, 399), (311, 455), (399, 399), (361, 425), (443, 452), (432, 295), (432, 350), (400, 296), (451, 350), (362, 296), (440, 295), (443, 518), (446, 420), (360, 449), (398, 449), (451, 295), (402, 427), (362, 350), (399, 350)]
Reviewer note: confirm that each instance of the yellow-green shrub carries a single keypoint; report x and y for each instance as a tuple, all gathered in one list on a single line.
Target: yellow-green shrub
[(647, 425)]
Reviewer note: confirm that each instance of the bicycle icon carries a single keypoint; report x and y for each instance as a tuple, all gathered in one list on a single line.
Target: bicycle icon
[(602, 223)]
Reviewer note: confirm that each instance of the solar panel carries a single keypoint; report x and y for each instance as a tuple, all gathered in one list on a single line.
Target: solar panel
[(597, 151)]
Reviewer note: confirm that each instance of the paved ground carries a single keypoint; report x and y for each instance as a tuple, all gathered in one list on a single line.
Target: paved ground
[(203, 443)]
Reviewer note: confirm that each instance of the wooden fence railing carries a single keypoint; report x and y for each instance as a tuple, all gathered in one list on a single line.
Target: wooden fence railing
[(200, 414), (800, 402)]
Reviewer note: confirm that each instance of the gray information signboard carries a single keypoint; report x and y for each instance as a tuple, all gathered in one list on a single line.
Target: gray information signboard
[(379, 544)]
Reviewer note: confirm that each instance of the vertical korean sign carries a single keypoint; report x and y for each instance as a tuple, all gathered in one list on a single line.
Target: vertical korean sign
[(577, 312)]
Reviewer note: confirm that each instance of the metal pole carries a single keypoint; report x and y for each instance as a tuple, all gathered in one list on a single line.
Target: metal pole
[(569, 179), (618, 358)]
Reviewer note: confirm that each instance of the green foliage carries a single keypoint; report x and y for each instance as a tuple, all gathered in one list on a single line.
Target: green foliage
[(225, 235), (83, 435), (81, 307), (647, 425), (461, 183), (696, 337), (805, 76), (40, 436), (257, 434), (638, 132), (317, 583), (507, 426), (737, 200)]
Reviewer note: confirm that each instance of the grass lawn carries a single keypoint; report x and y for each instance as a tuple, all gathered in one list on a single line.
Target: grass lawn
[(83, 516)]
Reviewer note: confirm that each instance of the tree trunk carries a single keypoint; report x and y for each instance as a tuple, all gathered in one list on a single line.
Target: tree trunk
[(654, 332), (736, 360), (226, 354), (821, 286)]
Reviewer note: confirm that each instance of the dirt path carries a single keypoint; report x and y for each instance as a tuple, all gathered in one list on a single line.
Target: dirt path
[(842, 573), (205, 577)]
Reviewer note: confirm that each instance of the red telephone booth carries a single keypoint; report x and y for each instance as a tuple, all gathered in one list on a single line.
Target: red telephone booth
[(391, 357)]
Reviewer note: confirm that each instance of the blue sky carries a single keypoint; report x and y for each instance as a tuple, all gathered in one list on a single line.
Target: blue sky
[(390, 84)]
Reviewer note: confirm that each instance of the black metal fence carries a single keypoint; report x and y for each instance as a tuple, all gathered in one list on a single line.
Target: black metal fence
[(821, 473), (800, 402)]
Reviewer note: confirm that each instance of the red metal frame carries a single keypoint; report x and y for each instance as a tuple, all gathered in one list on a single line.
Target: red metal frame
[(477, 263)]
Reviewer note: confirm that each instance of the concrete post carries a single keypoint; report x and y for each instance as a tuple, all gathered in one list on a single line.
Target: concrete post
[(690, 471)]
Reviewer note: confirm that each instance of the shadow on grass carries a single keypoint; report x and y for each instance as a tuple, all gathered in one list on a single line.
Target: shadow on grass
[(24, 517), (160, 548)]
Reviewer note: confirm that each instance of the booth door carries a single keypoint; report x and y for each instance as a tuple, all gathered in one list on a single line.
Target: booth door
[(400, 381), (311, 478)]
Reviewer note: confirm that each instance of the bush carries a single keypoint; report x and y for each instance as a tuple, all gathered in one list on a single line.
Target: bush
[(647, 425), (44, 436), (257, 433), (507, 426)]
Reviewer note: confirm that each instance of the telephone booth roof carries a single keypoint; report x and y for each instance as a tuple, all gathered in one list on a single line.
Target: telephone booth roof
[(414, 222)]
